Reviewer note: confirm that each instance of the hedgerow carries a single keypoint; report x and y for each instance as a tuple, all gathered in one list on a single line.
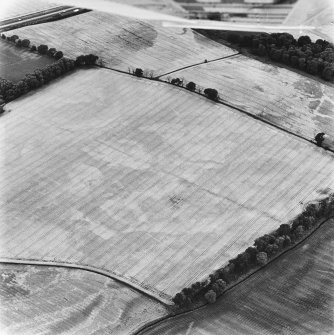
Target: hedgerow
[(10, 91)]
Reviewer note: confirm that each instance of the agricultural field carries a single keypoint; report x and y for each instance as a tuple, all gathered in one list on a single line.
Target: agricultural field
[(293, 295), (16, 62), (299, 104), (169, 7), (13, 8), (319, 15), (50, 300), (159, 187), (122, 43)]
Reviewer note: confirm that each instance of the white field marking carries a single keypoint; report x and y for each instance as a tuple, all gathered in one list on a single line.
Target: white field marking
[(189, 327)]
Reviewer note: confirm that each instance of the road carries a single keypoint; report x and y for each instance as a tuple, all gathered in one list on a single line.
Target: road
[(50, 14)]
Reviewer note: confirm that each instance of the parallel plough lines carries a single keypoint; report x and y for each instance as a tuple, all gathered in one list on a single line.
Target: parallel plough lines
[(121, 42), (297, 103), (114, 166)]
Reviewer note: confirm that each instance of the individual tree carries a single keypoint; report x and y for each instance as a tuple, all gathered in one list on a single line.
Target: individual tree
[(25, 43), (251, 251), (328, 73), (303, 40), (262, 51), (42, 49), (294, 61), (287, 241), (91, 59), (139, 72), (51, 52), (211, 93), (3, 36), (179, 299), (262, 258), (13, 38), (272, 249), (219, 286), (58, 55), (191, 86), (286, 58), (280, 242), (18, 43), (312, 66), (33, 48), (319, 138), (284, 229), (262, 241), (211, 296), (299, 232), (176, 81), (302, 63)]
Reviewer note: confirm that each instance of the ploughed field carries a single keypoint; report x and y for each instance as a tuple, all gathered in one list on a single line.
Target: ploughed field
[(14, 8), (292, 295), (297, 103), (16, 62), (148, 181), (51, 300), (122, 42)]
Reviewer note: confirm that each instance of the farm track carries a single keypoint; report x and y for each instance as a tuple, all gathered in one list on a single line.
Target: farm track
[(193, 65), (152, 324), (88, 268)]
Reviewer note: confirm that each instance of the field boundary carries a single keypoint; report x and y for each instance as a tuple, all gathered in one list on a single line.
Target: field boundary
[(153, 323), (126, 282), (193, 65), (220, 101)]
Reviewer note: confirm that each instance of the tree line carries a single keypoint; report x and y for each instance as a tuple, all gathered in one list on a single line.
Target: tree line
[(316, 58), (263, 249), (10, 90), (42, 49)]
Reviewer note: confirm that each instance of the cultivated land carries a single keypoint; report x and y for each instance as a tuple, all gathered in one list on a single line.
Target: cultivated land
[(121, 42), (148, 181), (293, 295), (50, 300), (16, 62), (292, 101), (13, 8)]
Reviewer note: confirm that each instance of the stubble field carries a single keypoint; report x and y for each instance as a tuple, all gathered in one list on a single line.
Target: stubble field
[(122, 43), (51, 300), (297, 103), (159, 186), (293, 295)]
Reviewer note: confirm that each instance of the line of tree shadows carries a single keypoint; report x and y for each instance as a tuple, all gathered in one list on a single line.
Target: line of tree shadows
[(264, 248), (10, 90)]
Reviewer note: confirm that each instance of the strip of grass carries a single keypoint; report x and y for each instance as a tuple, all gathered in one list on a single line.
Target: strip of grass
[(16, 62)]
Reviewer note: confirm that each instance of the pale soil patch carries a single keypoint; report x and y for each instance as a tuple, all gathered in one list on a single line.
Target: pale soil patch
[(121, 42), (50, 300), (13, 8), (293, 295), (144, 179), (297, 103)]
